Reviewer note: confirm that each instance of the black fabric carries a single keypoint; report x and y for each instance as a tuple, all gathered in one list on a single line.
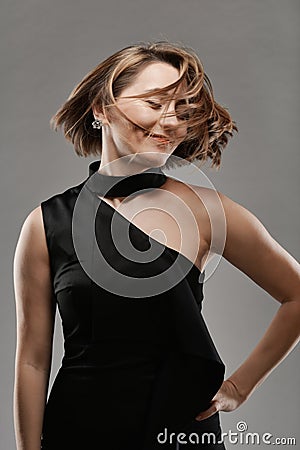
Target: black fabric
[(124, 185), (132, 367)]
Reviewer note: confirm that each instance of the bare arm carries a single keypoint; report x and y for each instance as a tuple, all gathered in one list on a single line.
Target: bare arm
[(251, 248), (35, 313)]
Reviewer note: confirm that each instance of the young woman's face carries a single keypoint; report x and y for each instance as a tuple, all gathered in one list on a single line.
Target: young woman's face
[(146, 113)]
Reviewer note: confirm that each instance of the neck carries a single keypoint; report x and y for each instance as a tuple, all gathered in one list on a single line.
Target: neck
[(115, 165), (119, 167), (124, 185)]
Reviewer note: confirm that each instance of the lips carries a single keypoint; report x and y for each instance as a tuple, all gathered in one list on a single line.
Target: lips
[(158, 137)]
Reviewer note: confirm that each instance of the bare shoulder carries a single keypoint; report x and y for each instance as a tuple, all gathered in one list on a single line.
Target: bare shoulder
[(194, 194), (31, 259), (237, 234), (35, 218), (252, 249), (207, 208), (32, 236)]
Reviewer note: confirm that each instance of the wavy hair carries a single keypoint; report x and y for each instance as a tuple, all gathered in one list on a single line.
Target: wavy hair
[(208, 124)]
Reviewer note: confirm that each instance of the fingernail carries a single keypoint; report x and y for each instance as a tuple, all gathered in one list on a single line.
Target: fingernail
[(198, 417)]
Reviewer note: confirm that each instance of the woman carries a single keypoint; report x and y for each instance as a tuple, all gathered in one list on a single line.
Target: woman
[(139, 363)]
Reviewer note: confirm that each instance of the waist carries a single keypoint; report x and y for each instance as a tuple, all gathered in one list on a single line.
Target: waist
[(106, 355)]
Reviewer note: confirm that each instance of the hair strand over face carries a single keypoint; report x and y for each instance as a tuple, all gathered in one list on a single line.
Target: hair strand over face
[(209, 124)]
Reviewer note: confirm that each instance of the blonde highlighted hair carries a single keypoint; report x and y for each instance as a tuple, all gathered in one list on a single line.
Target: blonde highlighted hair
[(208, 124)]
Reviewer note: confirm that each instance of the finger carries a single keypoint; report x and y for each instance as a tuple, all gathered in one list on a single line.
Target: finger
[(209, 412)]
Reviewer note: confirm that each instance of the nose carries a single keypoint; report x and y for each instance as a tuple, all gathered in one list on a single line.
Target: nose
[(168, 118)]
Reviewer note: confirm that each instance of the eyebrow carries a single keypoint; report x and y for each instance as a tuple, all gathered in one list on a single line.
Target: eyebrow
[(152, 90)]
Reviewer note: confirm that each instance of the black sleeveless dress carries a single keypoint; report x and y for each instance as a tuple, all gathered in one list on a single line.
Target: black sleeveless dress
[(139, 363)]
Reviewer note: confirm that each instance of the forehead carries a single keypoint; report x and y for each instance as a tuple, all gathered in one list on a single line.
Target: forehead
[(153, 76)]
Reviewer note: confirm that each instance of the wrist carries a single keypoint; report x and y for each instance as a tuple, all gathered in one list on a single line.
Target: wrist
[(242, 392)]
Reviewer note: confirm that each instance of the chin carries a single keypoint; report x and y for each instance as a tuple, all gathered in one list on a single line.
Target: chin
[(154, 158)]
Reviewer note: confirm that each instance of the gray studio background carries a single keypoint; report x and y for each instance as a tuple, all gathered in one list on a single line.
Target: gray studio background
[(250, 50)]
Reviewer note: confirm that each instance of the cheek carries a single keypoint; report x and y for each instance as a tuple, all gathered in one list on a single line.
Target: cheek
[(141, 115)]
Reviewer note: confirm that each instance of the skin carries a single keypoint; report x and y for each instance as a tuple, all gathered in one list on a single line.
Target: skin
[(132, 144), (249, 247)]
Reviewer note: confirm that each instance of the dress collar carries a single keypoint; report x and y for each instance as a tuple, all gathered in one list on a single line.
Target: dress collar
[(124, 185)]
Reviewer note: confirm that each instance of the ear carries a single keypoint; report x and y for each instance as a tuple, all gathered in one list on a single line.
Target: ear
[(98, 114)]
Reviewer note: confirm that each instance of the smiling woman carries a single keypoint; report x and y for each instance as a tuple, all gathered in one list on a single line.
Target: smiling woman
[(139, 364), (151, 129), (139, 85)]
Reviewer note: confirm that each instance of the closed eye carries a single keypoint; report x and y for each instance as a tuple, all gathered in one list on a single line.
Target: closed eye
[(181, 116), (153, 104)]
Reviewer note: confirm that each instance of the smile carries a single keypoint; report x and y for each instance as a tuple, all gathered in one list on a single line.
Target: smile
[(158, 138)]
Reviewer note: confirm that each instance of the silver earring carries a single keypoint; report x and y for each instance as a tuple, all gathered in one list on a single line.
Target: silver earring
[(97, 124)]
